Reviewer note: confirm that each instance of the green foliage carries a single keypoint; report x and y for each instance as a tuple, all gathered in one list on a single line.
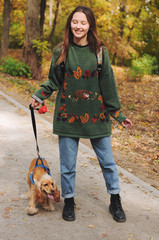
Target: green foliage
[(40, 46), (16, 35), (15, 67), (145, 65)]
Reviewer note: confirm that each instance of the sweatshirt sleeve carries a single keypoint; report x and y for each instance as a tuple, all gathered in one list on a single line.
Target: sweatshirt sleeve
[(54, 80), (109, 89)]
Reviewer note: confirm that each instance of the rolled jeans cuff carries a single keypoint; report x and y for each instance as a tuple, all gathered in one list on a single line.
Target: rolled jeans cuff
[(117, 191), (68, 195)]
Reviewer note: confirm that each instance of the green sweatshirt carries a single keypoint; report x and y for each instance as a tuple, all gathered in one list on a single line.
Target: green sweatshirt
[(84, 103)]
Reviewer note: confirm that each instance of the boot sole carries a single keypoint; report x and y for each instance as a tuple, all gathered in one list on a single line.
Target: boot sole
[(68, 218), (116, 219)]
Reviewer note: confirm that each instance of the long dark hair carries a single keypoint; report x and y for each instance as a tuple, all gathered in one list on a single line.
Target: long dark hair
[(93, 40)]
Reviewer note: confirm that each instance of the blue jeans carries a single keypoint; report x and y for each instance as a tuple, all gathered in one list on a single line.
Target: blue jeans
[(68, 154)]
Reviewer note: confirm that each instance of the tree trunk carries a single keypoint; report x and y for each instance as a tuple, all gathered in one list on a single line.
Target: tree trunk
[(50, 14), (54, 22), (42, 16), (122, 18), (32, 32), (5, 30), (114, 59)]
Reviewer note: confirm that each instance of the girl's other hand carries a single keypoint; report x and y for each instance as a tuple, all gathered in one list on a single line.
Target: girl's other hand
[(127, 122)]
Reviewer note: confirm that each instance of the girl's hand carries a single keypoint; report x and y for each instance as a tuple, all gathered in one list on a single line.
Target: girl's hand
[(34, 103), (127, 122)]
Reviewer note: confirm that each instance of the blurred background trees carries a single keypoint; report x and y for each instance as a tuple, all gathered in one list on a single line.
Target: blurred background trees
[(33, 32), (5, 28), (128, 28)]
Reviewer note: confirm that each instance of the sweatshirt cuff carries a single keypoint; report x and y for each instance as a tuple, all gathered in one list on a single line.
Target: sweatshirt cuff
[(118, 116), (37, 99)]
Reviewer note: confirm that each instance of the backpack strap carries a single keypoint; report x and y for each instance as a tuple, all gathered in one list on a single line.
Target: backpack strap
[(99, 59), (99, 64), (62, 64)]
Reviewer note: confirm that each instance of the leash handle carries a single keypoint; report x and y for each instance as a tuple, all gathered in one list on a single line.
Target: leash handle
[(34, 128)]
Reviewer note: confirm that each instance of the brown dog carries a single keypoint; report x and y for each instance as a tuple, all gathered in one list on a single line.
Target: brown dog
[(41, 187)]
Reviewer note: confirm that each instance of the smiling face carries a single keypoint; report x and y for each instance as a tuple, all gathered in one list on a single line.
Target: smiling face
[(80, 27)]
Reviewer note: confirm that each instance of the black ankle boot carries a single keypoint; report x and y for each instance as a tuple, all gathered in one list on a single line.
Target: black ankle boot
[(68, 210), (116, 209)]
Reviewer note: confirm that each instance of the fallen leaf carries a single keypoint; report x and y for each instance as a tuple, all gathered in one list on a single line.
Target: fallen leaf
[(47, 136), (93, 158), (104, 235), (5, 216), (91, 226), (94, 194), (8, 209), (126, 179), (78, 208), (84, 165), (15, 199), (39, 121)]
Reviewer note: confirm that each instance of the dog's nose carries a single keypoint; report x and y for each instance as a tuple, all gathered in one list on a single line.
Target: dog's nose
[(52, 191)]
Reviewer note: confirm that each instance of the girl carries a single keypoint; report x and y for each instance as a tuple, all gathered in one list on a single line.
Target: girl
[(84, 104)]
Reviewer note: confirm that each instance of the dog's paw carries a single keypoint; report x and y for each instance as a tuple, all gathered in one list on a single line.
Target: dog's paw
[(24, 195), (32, 211), (49, 207)]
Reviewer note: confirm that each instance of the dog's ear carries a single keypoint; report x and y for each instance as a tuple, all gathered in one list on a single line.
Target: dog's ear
[(56, 194), (37, 183)]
